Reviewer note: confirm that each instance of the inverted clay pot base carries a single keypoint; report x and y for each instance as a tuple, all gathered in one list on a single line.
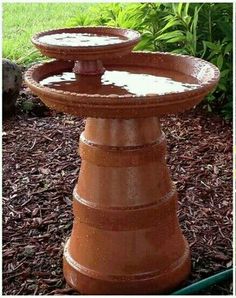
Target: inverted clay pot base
[(126, 237)]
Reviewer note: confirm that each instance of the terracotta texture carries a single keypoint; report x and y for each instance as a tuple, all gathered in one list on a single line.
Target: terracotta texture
[(126, 237), (127, 106), (88, 53), (89, 67)]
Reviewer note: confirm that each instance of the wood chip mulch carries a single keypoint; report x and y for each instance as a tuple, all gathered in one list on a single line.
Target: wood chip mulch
[(40, 168)]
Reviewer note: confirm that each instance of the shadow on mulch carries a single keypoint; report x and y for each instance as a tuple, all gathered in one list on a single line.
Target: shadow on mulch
[(40, 168)]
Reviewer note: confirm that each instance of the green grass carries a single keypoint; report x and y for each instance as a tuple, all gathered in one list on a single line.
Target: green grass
[(22, 20)]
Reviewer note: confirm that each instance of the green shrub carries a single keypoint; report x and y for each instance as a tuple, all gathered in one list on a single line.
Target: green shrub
[(199, 29)]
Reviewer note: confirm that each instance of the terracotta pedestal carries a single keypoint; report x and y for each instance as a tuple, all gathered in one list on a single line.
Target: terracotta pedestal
[(126, 237)]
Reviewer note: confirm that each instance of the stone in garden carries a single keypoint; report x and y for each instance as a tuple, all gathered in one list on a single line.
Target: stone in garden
[(11, 84), (29, 251)]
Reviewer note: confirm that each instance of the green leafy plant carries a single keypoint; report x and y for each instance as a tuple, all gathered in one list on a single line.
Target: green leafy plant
[(27, 106)]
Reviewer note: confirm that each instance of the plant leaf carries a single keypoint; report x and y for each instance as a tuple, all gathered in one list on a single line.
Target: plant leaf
[(169, 35), (220, 61)]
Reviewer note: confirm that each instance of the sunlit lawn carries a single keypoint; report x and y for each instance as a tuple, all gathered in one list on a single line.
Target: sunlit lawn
[(22, 20)]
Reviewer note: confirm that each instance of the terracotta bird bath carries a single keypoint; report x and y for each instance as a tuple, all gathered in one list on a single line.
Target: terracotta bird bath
[(126, 237)]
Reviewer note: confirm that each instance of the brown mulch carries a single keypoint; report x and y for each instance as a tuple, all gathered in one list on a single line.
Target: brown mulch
[(40, 166)]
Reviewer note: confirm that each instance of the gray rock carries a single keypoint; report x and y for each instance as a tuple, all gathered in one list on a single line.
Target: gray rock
[(29, 251), (11, 84)]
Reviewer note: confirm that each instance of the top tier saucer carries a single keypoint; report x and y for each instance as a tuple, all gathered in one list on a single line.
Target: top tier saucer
[(86, 43)]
